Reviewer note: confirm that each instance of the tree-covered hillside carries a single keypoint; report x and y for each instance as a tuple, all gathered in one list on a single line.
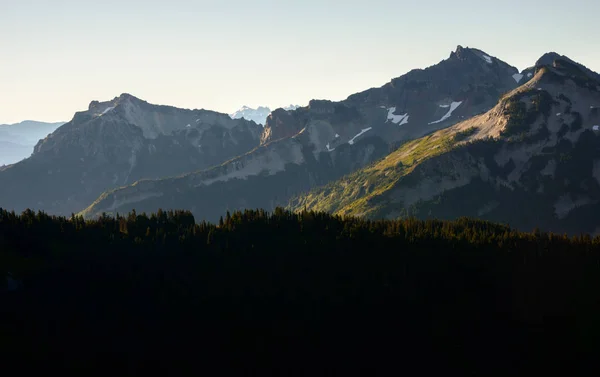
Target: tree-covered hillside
[(294, 294)]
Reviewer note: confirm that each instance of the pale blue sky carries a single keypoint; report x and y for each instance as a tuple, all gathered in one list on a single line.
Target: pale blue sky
[(58, 55)]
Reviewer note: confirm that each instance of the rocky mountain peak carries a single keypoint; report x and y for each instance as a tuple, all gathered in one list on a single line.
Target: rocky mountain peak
[(471, 54), (461, 53), (549, 58), (555, 60), (124, 96)]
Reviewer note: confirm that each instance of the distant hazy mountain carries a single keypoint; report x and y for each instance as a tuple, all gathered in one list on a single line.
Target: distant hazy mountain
[(17, 140), (118, 142), (291, 107), (258, 115), (13, 152)]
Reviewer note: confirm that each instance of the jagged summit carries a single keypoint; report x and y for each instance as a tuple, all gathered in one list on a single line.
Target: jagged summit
[(116, 100), (465, 54), (128, 96)]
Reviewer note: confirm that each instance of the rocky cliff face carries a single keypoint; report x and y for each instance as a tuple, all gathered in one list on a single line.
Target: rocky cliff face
[(533, 160), (280, 124), (116, 143)]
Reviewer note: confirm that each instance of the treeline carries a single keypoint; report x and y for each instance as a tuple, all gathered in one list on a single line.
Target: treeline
[(296, 293)]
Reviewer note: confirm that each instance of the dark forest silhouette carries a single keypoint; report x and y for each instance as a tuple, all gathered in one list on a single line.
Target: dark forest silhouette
[(295, 293)]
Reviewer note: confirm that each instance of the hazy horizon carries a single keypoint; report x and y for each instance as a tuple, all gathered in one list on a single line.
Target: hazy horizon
[(221, 55)]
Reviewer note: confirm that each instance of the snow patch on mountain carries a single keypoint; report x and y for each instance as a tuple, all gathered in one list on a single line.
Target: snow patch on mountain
[(398, 119), (107, 110), (351, 141), (453, 107), (487, 59), (518, 77)]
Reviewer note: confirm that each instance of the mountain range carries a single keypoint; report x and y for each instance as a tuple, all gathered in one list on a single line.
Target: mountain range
[(17, 140), (316, 144), (469, 136)]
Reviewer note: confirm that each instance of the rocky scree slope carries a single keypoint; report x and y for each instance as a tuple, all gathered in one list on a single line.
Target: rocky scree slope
[(532, 160), (116, 143)]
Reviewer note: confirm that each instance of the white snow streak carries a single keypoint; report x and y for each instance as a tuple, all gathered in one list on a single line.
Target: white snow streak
[(487, 59), (351, 141), (329, 149), (107, 110), (453, 107)]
